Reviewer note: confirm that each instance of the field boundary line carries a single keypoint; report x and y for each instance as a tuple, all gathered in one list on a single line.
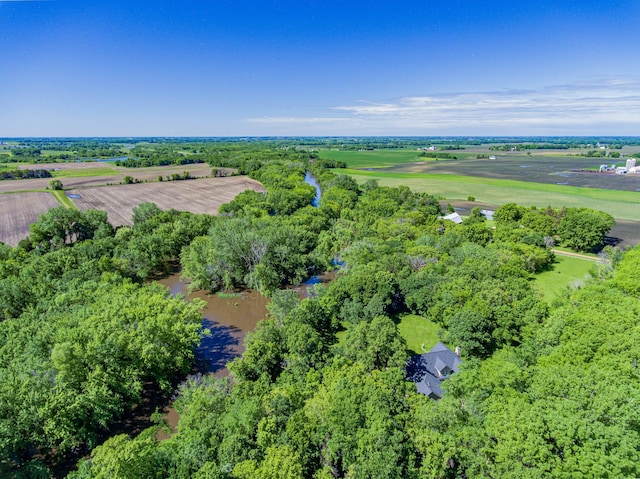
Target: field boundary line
[(63, 199), (574, 255)]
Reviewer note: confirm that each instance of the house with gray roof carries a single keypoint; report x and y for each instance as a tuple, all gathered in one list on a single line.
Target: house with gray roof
[(428, 370)]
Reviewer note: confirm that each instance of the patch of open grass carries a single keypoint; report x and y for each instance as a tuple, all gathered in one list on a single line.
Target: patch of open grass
[(620, 204), (418, 331), (567, 271), (395, 157), (84, 172), (12, 165), (341, 336), (373, 158), (225, 295), (63, 199)]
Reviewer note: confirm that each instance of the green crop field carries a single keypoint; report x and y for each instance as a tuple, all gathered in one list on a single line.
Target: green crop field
[(373, 158), (620, 204), (84, 172)]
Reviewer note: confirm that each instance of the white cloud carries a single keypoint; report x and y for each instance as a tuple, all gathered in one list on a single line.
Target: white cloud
[(586, 104), (280, 120), (606, 106)]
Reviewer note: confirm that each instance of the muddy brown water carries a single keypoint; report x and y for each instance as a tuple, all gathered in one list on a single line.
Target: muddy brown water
[(228, 317)]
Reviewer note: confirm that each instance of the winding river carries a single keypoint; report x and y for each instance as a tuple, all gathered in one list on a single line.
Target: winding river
[(229, 317)]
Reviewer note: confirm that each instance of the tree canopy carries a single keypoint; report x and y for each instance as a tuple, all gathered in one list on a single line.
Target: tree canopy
[(545, 390)]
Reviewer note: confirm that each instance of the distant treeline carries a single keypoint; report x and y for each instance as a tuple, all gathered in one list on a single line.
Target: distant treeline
[(435, 154), (157, 160), (162, 151), (553, 146), (24, 174)]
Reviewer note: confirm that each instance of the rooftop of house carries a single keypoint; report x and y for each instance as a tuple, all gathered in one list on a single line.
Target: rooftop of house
[(428, 370), (455, 217)]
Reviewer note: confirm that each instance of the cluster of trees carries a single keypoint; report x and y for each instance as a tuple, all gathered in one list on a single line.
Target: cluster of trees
[(435, 154), (51, 150), (24, 174), (81, 333), (581, 229), (143, 156), (541, 394)]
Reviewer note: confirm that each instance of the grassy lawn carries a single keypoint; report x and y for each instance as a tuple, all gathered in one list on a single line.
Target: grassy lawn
[(620, 204), (417, 331), (84, 172), (63, 199), (566, 271)]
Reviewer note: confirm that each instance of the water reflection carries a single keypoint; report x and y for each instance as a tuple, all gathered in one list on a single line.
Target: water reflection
[(228, 317), (309, 178)]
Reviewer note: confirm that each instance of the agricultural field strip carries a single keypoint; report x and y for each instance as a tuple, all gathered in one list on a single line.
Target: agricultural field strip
[(620, 204), (85, 178), (595, 193), (197, 196), (18, 211), (63, 199)]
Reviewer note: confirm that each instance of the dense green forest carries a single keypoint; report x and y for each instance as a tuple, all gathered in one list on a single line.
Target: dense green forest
[(546, 390)]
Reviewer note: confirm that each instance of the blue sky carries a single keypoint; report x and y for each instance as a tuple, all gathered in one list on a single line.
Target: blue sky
[(236, 68)]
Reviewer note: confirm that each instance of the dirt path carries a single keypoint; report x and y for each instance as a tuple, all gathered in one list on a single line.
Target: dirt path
[(574, 255)]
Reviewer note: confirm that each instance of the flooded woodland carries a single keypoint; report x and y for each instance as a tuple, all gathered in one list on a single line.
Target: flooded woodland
[(228, 317)]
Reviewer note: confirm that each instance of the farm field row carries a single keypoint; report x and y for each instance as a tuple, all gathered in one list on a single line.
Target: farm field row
[(204, 195), (620, 204), (552, 167), (77, 175), (19, 210)]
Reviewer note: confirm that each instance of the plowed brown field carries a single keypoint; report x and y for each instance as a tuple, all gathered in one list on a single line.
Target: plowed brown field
[(18, 211), (197, 196)]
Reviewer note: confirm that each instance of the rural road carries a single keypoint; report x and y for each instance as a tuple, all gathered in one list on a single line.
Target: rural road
[(574, 255)]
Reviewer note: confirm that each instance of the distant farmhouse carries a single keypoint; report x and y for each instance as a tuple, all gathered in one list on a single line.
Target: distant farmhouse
[(428, 370), (455, 217), (488, 214)]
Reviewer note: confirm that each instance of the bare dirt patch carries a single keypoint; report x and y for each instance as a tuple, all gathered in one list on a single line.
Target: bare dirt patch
[(197, 196), (465, 207), (18, 211), (42, 183), (624, 234), (552, 168), (151, 173)]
